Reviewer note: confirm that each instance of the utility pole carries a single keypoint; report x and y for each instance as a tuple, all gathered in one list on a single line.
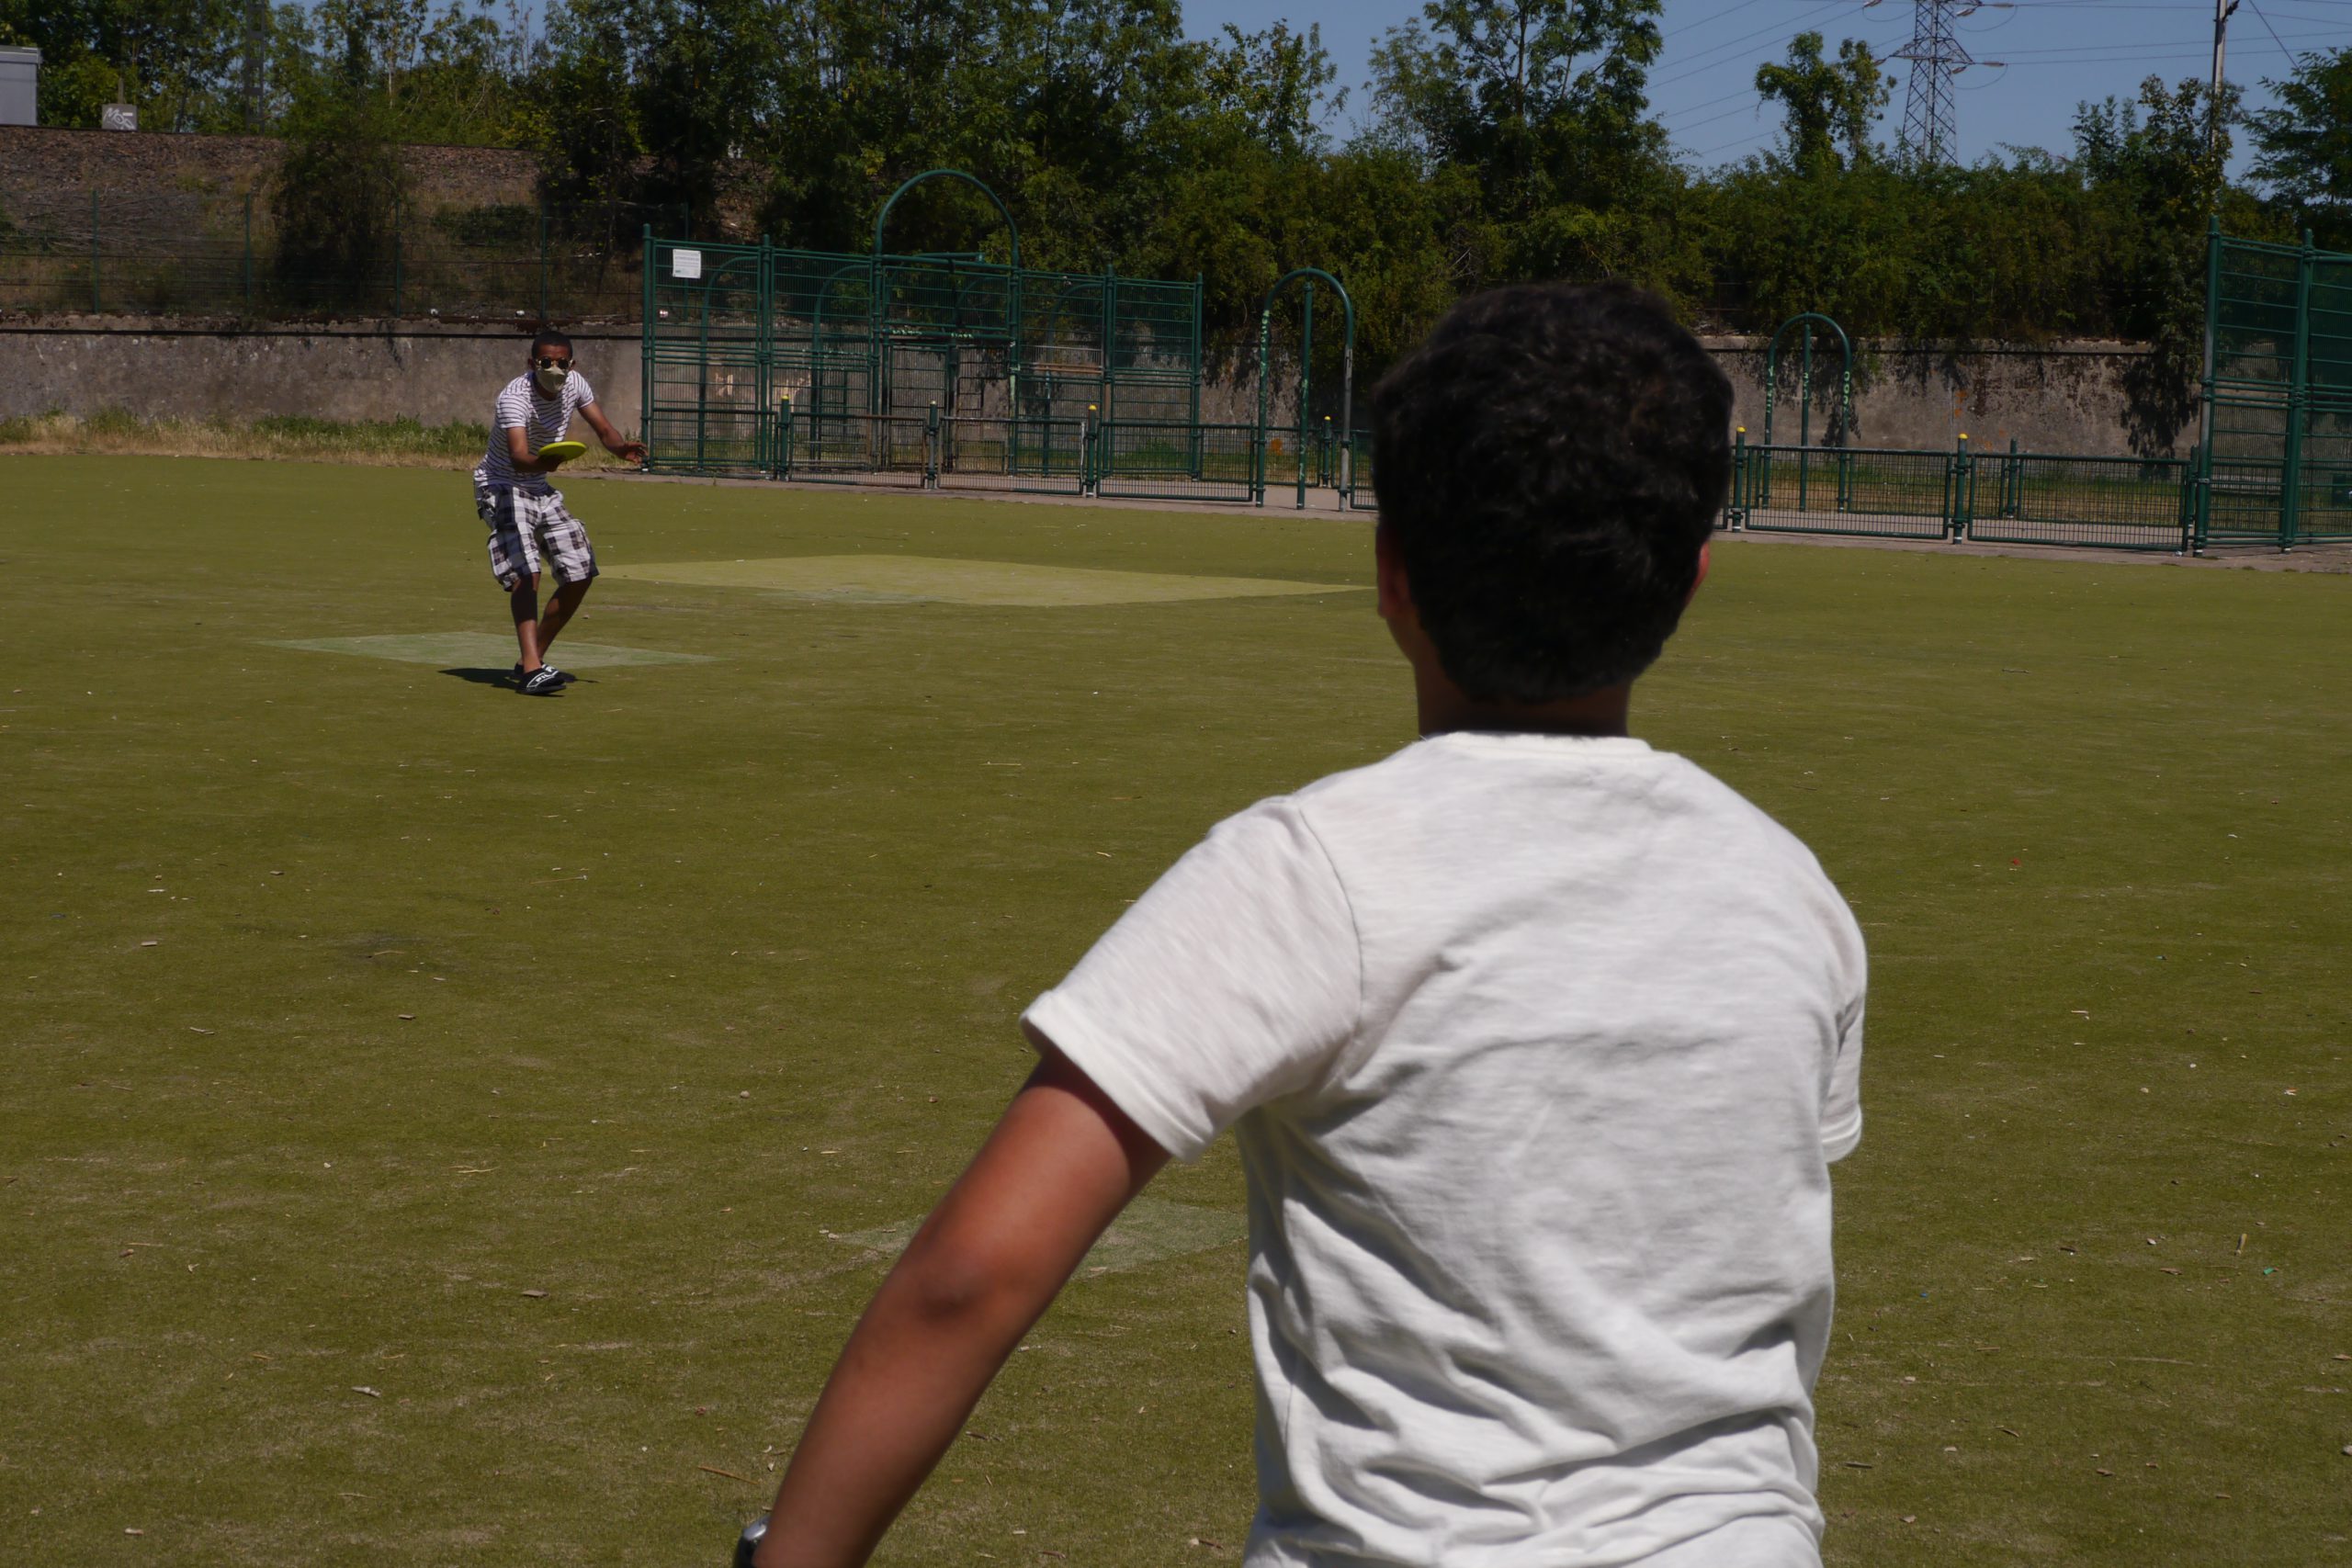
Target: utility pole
[(2221, 12), (1931, 118)]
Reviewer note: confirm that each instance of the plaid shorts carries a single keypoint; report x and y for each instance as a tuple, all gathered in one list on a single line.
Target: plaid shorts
[(530, 532)]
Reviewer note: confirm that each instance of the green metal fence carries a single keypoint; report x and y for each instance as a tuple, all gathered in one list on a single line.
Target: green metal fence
[(1154, 461), (861, 448), (2126, 503), (1047, 456), (706, 377), (2016, 497), (2276, 461), (92, 251), (1012, 360), (1357, 491), (1870, 491)]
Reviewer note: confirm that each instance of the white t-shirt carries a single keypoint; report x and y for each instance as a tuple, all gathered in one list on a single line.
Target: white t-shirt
[(1537, 1049), (543, 419)]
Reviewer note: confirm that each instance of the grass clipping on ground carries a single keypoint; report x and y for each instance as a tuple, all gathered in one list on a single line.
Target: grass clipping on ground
[(387, 443)]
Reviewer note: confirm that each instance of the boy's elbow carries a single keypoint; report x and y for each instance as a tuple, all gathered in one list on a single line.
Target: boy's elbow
[(949, 1281)]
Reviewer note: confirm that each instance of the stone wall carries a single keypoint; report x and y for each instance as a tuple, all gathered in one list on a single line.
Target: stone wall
[(49, 158), (160, 370), (2068, 397), (2063, 397)]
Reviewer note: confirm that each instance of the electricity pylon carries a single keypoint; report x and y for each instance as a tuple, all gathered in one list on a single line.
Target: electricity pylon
[(1931, 118)]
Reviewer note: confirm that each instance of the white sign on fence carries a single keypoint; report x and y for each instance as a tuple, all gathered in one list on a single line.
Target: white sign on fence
[(685, 263)]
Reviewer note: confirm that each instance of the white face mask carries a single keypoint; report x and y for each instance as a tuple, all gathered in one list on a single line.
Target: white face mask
[(553, 380)]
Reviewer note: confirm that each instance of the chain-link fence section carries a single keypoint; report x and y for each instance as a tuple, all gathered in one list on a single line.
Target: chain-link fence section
[(2277, 459)]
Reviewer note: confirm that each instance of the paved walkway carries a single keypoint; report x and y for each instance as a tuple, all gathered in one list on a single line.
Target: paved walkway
[(1327, 504)]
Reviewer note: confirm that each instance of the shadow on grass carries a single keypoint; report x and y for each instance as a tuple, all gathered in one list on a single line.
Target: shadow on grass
[(506, 678)]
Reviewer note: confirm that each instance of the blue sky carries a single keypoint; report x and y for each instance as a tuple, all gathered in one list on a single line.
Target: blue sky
[(2058, 52)]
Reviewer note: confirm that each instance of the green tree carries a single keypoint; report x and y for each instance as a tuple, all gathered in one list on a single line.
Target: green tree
[(577, 107), (174, 61), (2153, 172), (1276, 84), (2304, 146), (339, 190), (1514, 88), (1541, 103), (1829, 107)]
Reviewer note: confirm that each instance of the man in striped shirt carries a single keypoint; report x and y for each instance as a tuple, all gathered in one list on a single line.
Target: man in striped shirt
[(529, 527)]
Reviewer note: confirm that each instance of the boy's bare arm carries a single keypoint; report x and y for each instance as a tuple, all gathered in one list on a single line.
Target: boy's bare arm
[(1061, 1163), (518, 453)]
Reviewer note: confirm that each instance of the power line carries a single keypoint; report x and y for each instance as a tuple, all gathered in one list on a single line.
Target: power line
[(1745, 38), (2098, 52), (1703, 21), (1875, 50), (2271, 30)]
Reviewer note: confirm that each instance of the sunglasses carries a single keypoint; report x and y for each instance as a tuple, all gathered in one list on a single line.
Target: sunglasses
[(552, 363)]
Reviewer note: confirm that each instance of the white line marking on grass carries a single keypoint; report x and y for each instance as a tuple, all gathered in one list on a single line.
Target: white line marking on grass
[(1148, 1231)]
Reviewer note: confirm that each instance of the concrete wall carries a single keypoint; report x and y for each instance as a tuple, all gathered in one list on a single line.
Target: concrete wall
[(2071, 397), (161, 370), (2064, 398)]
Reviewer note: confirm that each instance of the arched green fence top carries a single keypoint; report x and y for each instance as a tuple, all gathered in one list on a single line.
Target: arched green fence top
[(1312, 274), (1808, 320), (973, 180)]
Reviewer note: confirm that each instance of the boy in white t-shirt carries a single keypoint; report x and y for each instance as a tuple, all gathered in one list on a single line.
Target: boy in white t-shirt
[(1537, 1044)]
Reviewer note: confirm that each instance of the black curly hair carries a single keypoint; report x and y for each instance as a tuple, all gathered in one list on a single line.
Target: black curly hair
[(1549, 464)]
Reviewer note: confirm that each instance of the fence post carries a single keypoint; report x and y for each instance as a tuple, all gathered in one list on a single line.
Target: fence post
[(2192, 499), (930, 447), (2013, 484), (543, 261), (94, 250), (248, 272), (397, 281), (2291, 473), (1963, 489), (1737, 512), (782, 468), (1089, 461), (646, 317)]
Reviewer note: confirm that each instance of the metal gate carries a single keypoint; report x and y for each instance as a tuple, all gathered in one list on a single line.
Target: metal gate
[(706, 389), (1008, 365), (2275, 465)]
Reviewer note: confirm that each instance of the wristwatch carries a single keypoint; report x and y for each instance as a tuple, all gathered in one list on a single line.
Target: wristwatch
[(749, 1541)]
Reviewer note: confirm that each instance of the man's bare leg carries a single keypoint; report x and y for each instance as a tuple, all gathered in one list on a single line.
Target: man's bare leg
[(559, 610), (523, 601)]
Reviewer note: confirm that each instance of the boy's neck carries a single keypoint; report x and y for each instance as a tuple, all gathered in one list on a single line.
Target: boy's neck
[(1444, 708)]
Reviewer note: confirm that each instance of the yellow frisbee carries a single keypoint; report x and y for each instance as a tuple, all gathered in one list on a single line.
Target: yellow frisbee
[(563, 451)]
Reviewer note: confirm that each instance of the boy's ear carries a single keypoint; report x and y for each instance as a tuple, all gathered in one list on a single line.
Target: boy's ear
[(1697, 578)]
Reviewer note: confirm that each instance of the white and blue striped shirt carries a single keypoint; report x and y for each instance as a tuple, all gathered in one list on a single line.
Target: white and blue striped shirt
[(543, 419)]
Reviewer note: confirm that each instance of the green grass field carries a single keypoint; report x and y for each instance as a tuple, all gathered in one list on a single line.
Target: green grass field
[(444, 1127)]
